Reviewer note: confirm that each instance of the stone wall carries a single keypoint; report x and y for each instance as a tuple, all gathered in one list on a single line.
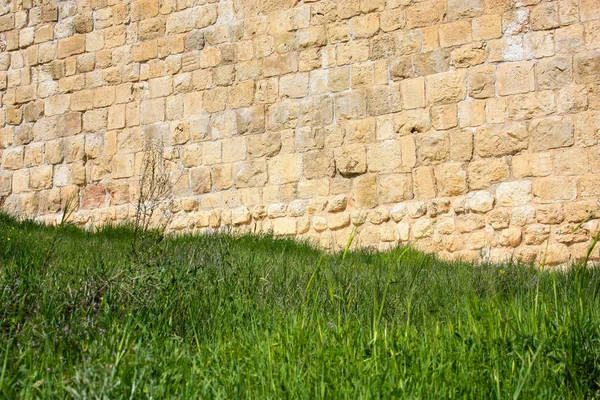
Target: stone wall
[(469, 128)]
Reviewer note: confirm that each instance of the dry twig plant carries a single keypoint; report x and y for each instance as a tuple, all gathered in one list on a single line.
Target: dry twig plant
[(154, 206)]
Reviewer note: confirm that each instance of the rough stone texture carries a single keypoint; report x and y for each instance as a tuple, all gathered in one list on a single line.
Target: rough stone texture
[(469, 126)]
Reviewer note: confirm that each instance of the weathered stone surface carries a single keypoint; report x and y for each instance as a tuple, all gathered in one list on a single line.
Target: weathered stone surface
[(551, 133), (531, 105), (471, 126), (589, 187), (510, 237), (416, 209), (422, 228), (278, 210), (482, 82), (553, 189), (544, 16), (395, 188), (240, 216), (318, 164), (554, 73), (458, 9), (338, 221), (385, 156), (451, 179), (480, 202), (41, 177), (338, 203), (522, 216), (351, 160), (424, 183), (448, 87), (383, 100), (12, 158), (501, 139), (200, 180), (365, 191), (444, 117), (285, 227), (432, 62), (587, 128), (585, 66), (455, 33), (530, 165), (71, 46), (123, 166), (471, 113), (487, 27), (514, 78), (413, 93), (499, 218), (425, 13), (285, 168), (514, 193), (571, 99), (550, 214), (266, 145), (469, 223), (483, 173), (433, 147), (536, 234)]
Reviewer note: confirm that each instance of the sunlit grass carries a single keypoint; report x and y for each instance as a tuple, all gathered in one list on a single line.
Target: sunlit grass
[(216, 316)]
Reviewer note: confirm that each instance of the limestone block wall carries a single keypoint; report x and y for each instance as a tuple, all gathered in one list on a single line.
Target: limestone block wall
[(469, 128)]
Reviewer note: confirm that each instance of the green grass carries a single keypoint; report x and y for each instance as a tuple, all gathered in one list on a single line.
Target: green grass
[(217, 316)]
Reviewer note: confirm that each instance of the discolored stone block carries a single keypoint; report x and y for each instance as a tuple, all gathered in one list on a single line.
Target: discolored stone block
[(351, 159), (513, 78), (444, 88)]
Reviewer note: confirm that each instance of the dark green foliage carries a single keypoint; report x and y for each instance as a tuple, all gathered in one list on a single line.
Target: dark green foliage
[(217, 316)]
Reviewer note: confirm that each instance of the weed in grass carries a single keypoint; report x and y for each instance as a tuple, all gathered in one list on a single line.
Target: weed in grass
[(153, 212), (222, 316)]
